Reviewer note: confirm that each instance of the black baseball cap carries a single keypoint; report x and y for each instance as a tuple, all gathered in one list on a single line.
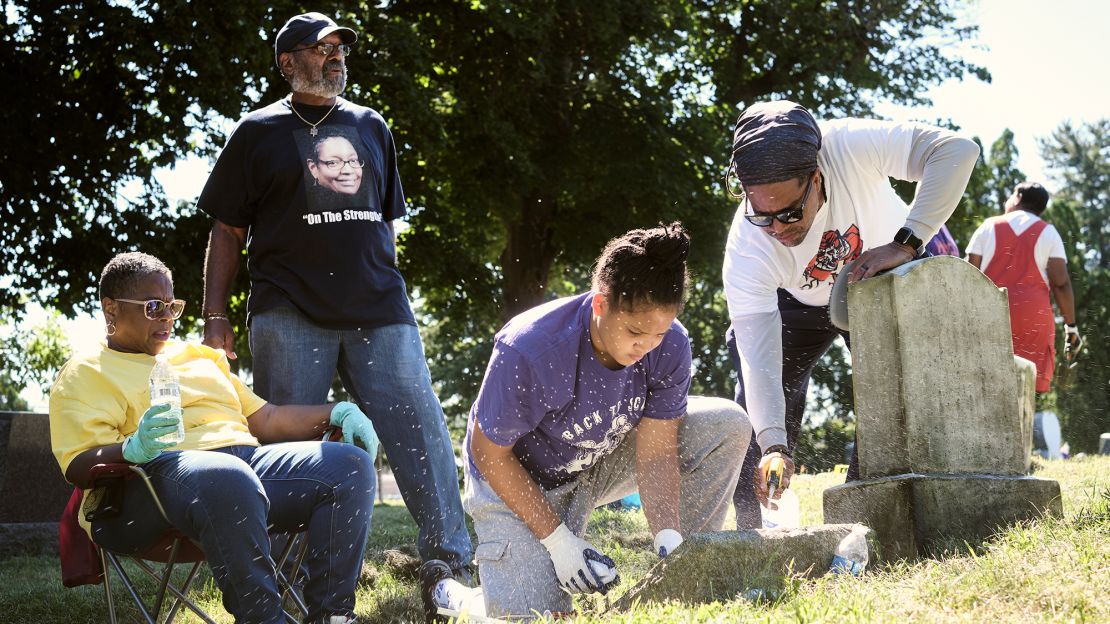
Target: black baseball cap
[(309, 28)]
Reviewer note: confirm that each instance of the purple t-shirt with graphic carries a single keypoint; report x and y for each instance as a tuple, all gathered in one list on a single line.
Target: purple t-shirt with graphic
[(546, 394)]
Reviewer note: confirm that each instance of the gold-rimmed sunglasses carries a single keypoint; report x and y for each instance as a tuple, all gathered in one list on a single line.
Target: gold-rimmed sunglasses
[(155, 309)]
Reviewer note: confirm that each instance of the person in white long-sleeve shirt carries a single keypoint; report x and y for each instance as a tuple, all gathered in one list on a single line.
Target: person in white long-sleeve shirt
[(815, 198)]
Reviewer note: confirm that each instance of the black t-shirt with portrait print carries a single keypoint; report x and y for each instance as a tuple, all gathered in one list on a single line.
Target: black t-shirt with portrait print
[(317, 209)]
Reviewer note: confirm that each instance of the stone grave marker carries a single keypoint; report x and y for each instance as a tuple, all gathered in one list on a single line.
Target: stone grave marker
[(944, 411), (32, 488), (721, 565)]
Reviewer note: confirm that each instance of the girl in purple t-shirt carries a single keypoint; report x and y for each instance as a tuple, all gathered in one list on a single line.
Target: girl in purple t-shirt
[(584, 402)]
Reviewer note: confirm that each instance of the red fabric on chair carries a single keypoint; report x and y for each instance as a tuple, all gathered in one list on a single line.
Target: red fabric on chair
[(80, 560), (82, 563), (188, 552)]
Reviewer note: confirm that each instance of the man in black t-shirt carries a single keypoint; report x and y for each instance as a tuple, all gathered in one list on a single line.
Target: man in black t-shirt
[(310, 185)]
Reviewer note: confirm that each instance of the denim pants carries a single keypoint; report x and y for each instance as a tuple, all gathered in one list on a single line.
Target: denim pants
[(384, 370), (807, 333), (518, 578), (226, 499)]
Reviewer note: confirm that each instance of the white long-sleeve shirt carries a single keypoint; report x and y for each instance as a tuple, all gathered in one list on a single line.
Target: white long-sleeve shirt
[(862, 211)]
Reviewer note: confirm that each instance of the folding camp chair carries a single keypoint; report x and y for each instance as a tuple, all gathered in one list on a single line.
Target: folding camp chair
[(85, 563)]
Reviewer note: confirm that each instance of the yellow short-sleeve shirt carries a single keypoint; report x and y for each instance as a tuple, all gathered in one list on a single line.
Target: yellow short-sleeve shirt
[(100, 396)]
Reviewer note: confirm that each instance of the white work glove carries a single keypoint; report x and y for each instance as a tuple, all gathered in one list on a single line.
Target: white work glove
[(666, 541), (579, 566), (1073, 342)]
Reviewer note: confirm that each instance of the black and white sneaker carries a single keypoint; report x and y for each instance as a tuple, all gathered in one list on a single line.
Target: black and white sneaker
[(465, 575), (431, 573)]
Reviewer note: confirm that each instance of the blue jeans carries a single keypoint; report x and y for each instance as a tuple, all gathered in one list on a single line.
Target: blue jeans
[(225, 499), (384, 370), (516, 571), (807, 333)]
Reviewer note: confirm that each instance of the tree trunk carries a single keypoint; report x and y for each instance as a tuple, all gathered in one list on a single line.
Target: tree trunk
[(528, 255)]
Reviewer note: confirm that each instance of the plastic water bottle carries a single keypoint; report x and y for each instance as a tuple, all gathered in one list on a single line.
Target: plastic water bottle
[(782, 513), (165, 389), (851, 553)]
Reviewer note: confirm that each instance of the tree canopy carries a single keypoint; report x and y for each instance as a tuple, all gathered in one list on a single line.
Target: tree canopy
[(538, 133), (991, 183), (100, 94), (29, 355), (529, 133), (1078, 158)]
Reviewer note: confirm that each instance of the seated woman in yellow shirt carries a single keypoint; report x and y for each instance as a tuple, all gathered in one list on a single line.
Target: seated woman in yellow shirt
[(219, 486)]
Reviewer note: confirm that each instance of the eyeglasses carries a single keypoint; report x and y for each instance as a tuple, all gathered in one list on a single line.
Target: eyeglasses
[(154, 309), (785, 216), (327, 48), (338, 164)]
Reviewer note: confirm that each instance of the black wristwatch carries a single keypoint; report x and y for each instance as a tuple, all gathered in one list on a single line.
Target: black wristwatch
[(905, 236), (778, 448)]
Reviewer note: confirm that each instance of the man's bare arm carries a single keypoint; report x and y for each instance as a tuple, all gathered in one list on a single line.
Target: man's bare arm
[(1060, 282), (221, 262)]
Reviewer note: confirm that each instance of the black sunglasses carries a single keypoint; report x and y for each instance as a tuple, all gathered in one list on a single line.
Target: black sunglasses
[(785, 216), (154, 309)]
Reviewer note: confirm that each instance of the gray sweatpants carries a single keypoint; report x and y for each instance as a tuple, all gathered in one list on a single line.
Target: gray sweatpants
[(516, 572)]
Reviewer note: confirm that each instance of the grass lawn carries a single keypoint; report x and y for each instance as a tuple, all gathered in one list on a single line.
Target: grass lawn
[(1049, 570)]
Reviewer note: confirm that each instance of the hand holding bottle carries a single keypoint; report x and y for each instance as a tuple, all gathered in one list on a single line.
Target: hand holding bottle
[(165, 389), (146, 443), (775, 470)]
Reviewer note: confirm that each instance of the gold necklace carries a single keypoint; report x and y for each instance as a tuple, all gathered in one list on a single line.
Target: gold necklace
[(313, 130)]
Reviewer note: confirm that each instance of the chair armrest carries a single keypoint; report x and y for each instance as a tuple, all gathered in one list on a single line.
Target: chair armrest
[(104, 474), (107, 472)]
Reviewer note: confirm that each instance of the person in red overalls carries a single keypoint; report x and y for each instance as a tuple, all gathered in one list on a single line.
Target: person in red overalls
[(1022, 253)]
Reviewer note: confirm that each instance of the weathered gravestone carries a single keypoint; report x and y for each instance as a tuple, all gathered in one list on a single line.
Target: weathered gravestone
[(721, 565), (33, 493), (32, 488), (944, 411)]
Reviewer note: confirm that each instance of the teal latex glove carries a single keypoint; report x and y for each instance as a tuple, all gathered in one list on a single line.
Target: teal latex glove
[(355, 425), (144, 445)]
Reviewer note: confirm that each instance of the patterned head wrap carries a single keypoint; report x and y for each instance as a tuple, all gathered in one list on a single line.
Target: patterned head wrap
[(774, 141)]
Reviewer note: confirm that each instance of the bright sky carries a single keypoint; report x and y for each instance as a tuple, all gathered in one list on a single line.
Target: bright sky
[(1046, 60)]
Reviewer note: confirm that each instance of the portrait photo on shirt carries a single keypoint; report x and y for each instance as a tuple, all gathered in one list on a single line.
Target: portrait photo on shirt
[(337, 176)]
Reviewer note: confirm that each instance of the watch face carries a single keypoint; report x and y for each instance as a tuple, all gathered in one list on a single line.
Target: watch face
[(905, 236)]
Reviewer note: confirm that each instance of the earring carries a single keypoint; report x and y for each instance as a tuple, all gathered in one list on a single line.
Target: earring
[(315, 181), (110, 328)]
